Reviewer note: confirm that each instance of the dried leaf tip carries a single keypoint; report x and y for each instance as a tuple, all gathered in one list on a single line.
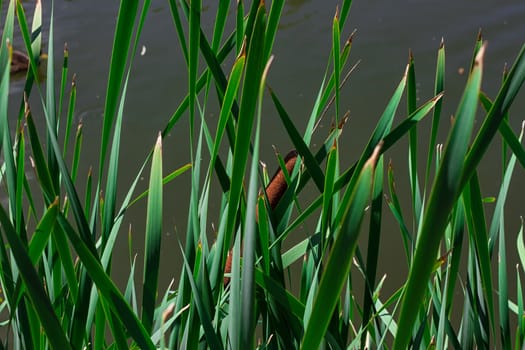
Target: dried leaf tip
[(267, 66), (375, 155), (479, 56), (27, 109), (65, 49), (159, 140), (410, 56), (343, 121), (242, 50), (336, 16), (438, 96), (350, 38), (442, 44), (406, 71), (334, 146), (166, 315), (479, 38)]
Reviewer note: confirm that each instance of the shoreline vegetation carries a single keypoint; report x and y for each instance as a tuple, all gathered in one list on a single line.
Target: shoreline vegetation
[(234, 290)]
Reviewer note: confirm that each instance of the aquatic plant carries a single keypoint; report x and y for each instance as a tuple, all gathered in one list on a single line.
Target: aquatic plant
[(57, 245)]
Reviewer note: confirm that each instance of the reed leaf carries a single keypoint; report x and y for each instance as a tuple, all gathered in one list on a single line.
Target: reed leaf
[(153, 238), (254, 67), (35, 291), (120, 51), (445, 191), (340, 257)]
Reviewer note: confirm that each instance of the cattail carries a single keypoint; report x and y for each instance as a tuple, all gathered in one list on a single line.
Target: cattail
[(274, 191)]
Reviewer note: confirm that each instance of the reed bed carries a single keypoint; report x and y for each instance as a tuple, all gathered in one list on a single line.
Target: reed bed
[(57, 243)]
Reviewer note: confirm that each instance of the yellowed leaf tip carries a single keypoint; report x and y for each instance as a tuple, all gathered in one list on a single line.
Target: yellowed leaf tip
[(479, 56), (343, 121), (159, 140), (479, 38), (375, 155), (242, 51), (406, 71), (267, 67), (351, 38), (166, 315)]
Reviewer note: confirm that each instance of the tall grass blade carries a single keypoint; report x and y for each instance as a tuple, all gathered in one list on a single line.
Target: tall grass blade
[(254, 67), (153, 238), (194, 38), (504, 99), (121, 44), (445, 191), (39, 300), (308, 158), (205, 319), (439, 87), (413, 141), (336, 38), (340, 257), (274, 16), (106, 287), (372, 255)]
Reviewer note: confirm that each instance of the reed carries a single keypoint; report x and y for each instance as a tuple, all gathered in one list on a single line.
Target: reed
[(56, 253)]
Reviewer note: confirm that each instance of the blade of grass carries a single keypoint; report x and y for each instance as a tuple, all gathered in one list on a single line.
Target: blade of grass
[(274, 16), (121, 44), (254, 66), (106, 287), (39, 300), (194, 37), (506, 340), (250, 233), (205, 320), (301, 147), (439, 86), (445, 191), (153, 238), (336, 38), (340, 257), (374, 236), (413, 141), (481, 240), (504, 99)]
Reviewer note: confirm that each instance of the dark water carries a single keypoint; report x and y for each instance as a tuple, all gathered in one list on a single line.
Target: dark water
[(386, 31)]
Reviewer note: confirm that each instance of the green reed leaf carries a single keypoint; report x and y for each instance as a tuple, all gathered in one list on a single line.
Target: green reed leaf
[(340, 257), (504, 99), (254, 67), (106, 287), (445, 191), (35, 290), (439, 87), (121, 44), (153, 238)]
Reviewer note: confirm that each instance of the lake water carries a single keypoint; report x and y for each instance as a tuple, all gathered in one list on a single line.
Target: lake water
[(386, 31)]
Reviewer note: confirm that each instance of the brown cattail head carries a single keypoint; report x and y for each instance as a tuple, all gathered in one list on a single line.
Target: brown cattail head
[(278, 185), (274, 191)]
